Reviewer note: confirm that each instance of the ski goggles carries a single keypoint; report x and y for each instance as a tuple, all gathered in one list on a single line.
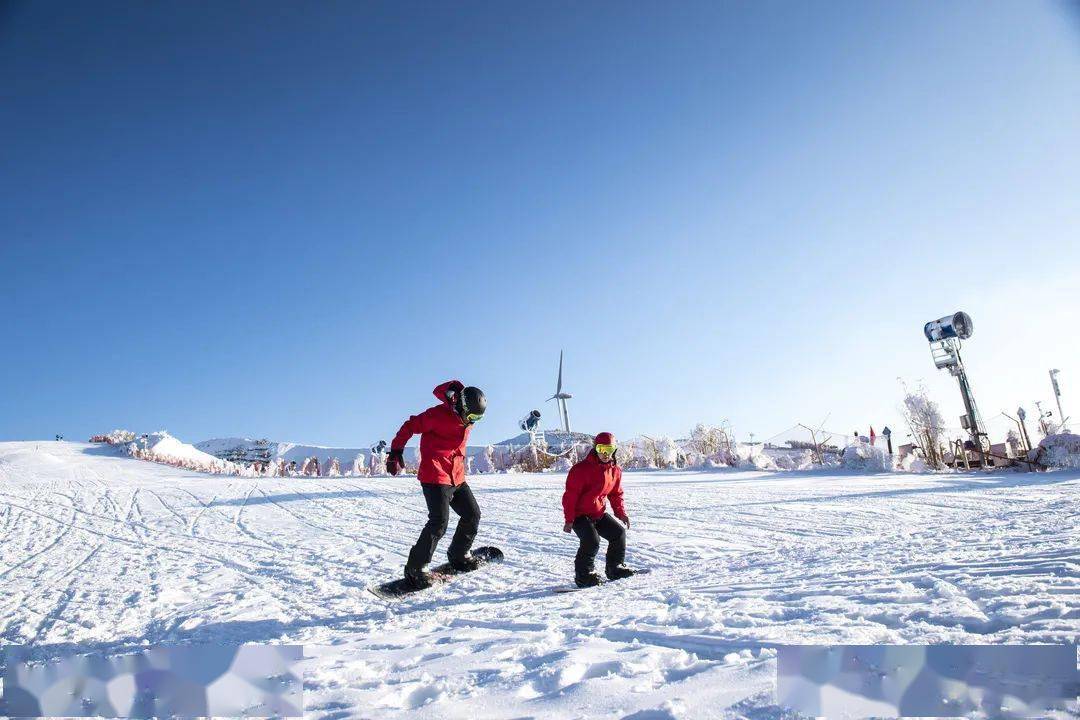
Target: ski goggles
[(606, 449), (473, 417)]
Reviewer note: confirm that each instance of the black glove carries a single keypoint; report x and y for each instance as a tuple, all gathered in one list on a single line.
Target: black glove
[(395, 462)]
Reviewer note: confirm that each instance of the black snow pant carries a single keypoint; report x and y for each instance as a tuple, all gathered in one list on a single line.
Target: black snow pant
[(590, 531), (439, 499)]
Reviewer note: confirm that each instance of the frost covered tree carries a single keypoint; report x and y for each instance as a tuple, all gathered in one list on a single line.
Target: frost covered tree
[(485, 461), (708, 440), (926, 423), (503, 457), (333, 467), (528, 459), (663, 452), (651, 453), (119, 437), (709, 445), (1012, 439), (360, 465)]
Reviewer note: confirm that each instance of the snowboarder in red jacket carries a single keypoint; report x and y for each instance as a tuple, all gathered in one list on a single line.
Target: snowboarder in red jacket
[(590, 483), (444, 432)]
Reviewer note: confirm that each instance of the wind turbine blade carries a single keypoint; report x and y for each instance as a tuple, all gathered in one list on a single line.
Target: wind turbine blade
[(558, 388)]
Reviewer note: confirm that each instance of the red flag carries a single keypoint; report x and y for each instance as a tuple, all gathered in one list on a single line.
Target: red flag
[(873, 437)]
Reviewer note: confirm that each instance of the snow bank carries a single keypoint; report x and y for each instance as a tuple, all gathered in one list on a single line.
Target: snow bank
[(791, 459), (913, 463), (753, 457), (164, 448), (867, 458), (1059, 451)]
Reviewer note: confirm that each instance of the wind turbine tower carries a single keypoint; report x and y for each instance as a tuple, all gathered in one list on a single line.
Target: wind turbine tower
[(561, 397)]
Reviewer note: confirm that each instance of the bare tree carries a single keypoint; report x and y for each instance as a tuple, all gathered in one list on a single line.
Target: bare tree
[(926, 423)]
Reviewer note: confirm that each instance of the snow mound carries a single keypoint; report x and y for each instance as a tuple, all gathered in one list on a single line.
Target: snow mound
[(1060, 451), (791, 459), (163, 447), (913, 463), (753, 457), (866, 458)]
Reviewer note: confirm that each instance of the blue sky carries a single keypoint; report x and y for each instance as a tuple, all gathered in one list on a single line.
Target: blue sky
[(291, 220)]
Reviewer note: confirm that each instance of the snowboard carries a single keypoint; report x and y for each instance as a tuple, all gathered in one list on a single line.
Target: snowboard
[(440, 575), (575, 588)]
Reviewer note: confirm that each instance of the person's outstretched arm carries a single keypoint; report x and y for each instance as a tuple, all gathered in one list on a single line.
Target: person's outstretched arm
[(616, 499), (415, 425), (570, 497)]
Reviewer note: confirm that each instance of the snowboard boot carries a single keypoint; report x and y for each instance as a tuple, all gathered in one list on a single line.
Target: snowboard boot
[(619, 572), (587, 580), (464, 564), (416, 578)]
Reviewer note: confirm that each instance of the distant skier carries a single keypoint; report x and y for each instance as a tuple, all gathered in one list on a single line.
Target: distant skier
[(444, 431), (590, 484)]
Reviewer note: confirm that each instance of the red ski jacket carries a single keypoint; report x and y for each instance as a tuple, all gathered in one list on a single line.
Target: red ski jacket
[(588, 485), (442, 440)]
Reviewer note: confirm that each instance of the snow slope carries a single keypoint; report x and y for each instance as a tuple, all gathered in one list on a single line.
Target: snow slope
[(103, 552)]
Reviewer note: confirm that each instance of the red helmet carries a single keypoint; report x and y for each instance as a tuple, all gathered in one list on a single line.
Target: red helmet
[(604, 438)]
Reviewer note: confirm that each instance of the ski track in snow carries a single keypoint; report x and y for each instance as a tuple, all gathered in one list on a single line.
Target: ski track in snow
[(103, 552)]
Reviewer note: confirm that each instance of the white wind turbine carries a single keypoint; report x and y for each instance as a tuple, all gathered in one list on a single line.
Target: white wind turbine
[(562, 397)]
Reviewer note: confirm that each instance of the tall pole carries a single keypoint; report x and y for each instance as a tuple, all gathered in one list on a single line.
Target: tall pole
[(974, 419), (1023, 426), (1057, 396)]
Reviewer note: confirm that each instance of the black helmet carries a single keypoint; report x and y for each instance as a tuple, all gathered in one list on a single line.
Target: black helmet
[(471, 404)]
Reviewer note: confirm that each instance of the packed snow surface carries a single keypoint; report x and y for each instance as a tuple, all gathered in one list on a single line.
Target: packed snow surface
[(104, 552)]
